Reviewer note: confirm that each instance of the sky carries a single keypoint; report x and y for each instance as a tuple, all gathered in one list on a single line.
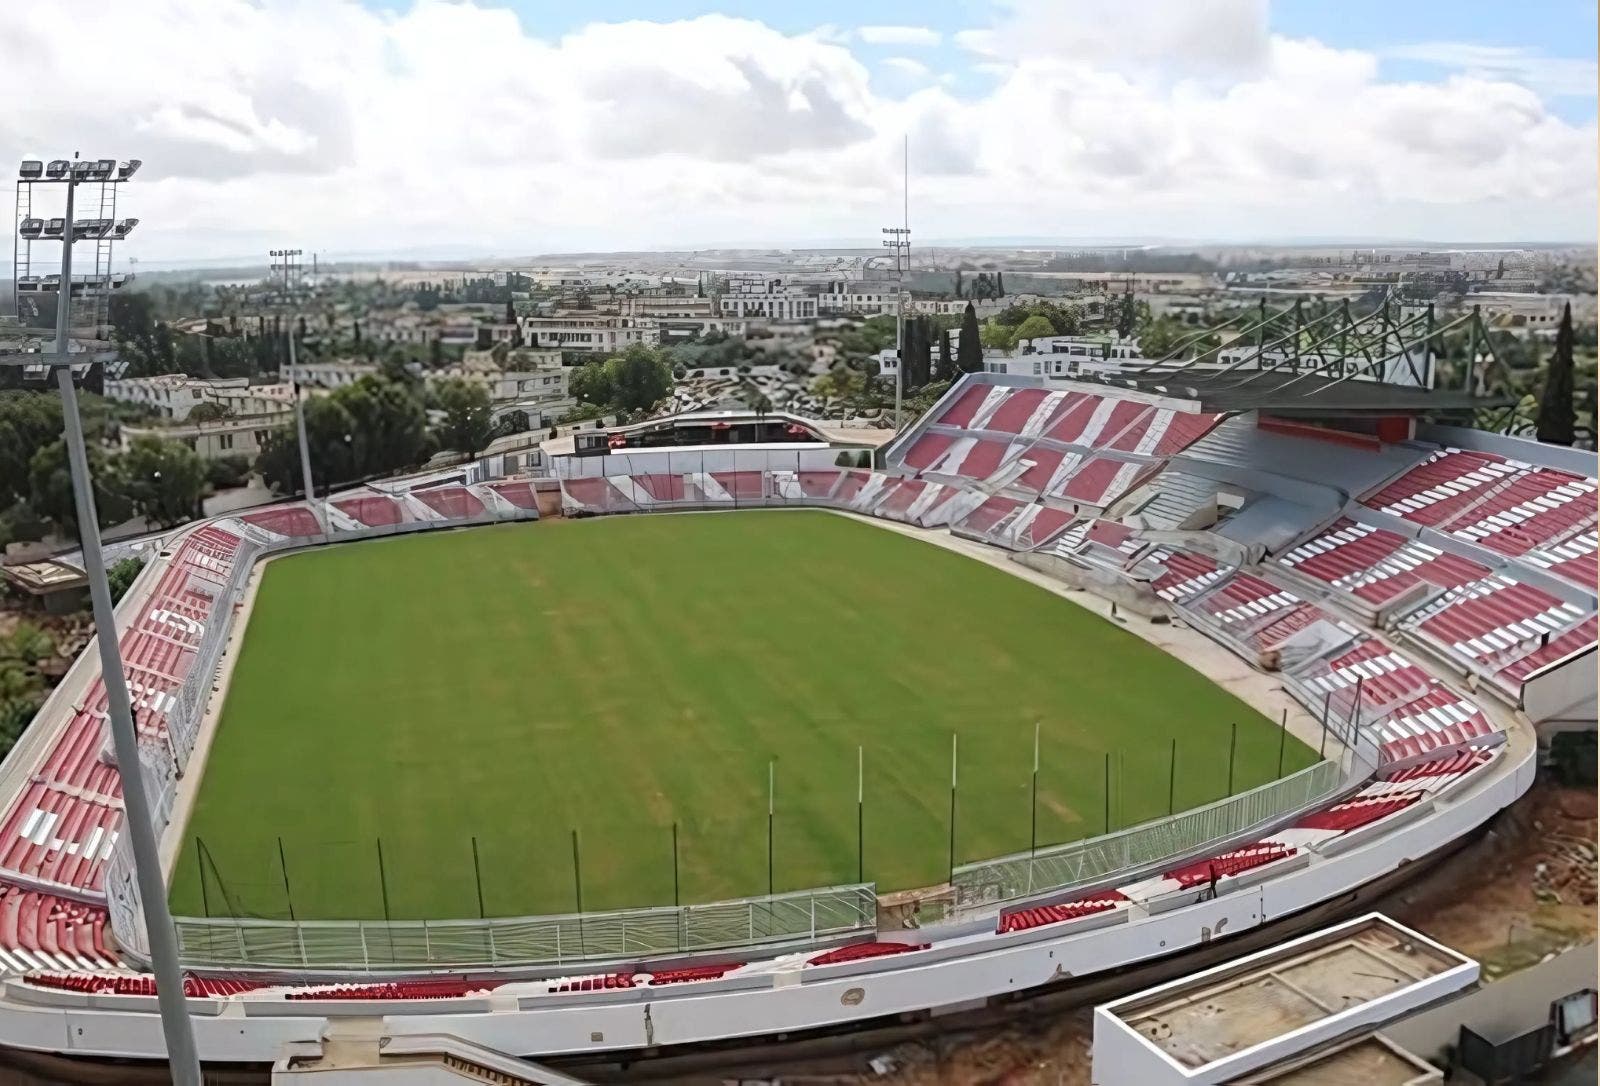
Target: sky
[(513, 127)]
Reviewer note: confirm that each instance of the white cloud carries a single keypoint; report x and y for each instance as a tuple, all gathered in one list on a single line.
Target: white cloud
[(899, 35), (909, 66), (327, 126), (1547, 75), (1151, 37)]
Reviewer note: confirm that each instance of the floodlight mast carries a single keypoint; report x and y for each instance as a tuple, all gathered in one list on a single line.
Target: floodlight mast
[(182, 1058)]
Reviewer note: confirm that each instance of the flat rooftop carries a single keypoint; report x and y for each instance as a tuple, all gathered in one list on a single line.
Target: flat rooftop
[(1219, 1017), (1281, 1009), (1371, 1061)]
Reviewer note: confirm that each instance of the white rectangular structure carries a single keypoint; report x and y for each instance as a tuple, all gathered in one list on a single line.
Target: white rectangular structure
[(1277, 1005)]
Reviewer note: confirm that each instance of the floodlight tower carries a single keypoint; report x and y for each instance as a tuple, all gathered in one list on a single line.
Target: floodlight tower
[(898, 239), (287, 269), (182, 1057)]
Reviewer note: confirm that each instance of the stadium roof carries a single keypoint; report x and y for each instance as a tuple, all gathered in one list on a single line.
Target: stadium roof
[(1289, 393)]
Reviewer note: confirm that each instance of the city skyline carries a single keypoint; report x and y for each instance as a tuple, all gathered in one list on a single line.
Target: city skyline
[(451, 129)]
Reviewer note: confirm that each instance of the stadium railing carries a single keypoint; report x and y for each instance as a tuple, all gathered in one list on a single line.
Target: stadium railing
[(799, 918), (984, 886)]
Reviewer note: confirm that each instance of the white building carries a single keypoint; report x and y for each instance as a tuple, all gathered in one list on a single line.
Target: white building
[(333, 373), (589, 332), (170, 395), (868, 298), (1520, 309), (214, 440), (768, 299)]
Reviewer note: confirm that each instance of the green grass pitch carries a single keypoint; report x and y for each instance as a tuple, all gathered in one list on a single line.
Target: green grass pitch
[(513, 684)]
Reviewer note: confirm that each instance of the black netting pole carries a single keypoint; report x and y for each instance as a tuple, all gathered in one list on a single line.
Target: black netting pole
[(1283, 738), (477, 876), (1172, 778), (283, 866), (383, 882), (1106, 793), (676, 900), (200, 862), (1233, 746)]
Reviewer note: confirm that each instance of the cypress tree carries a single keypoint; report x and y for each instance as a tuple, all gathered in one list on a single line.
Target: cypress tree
[(1557, 419), (947, 364), (969, 353)]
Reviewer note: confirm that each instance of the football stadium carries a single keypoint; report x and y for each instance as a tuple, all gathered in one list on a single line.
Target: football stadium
[(673, 746)]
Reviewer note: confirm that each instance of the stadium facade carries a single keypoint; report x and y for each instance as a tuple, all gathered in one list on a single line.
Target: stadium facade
[(1429, 594)]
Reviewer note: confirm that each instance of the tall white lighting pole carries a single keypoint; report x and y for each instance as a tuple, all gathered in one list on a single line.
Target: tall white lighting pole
[(183, 1060), (300, 428), (900, 241)]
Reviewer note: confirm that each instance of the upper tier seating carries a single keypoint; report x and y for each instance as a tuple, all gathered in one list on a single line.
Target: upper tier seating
[(450, 502), (1504, 505), (373, 510), (1375, 564), (518, 494), (1491, 623), (285, 520)]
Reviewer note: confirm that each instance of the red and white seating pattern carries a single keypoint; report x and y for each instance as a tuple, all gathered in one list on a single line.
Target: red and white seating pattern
[(1376, 564), (1439, 718), (1108, 542), (1504, 505), (1384, 678), (294, 521), (1491, 623), (1179, 576)]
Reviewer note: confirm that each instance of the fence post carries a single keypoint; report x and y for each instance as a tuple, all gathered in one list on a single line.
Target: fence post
[(199, 861), (283, 866), (1233, 746), (1283, 737), (383, 886), (1172, 777), (477, 875), (577, 889), (1106, 794)]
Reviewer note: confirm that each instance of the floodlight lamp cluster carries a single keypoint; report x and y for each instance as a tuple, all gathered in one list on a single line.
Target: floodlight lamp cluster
[(84, 169), (82, 229)]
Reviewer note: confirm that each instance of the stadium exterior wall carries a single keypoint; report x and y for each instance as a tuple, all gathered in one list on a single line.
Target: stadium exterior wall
[(943, 975)]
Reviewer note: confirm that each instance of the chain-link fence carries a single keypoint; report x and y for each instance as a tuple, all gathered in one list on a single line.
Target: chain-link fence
[(985, 885), (799, 918)]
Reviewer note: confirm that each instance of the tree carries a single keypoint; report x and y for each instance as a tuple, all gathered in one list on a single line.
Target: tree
[(958, 282), (1037, 326), (997, 336), (1000, 284), (50, 488), (511, 311), (969, 352), (373, 427), (355, 332), (207, 411), (163, 480), (120, 576), (1127, 315), (468, 424), (1160, 337), (28, 422), (590, 383), (638, 377), (1557, 422), (946, 369)]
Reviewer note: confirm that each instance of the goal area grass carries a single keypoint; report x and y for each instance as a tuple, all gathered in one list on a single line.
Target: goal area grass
[(506, 718)]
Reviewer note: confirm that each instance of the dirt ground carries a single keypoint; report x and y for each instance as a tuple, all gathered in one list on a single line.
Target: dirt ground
[(1525, 890)]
